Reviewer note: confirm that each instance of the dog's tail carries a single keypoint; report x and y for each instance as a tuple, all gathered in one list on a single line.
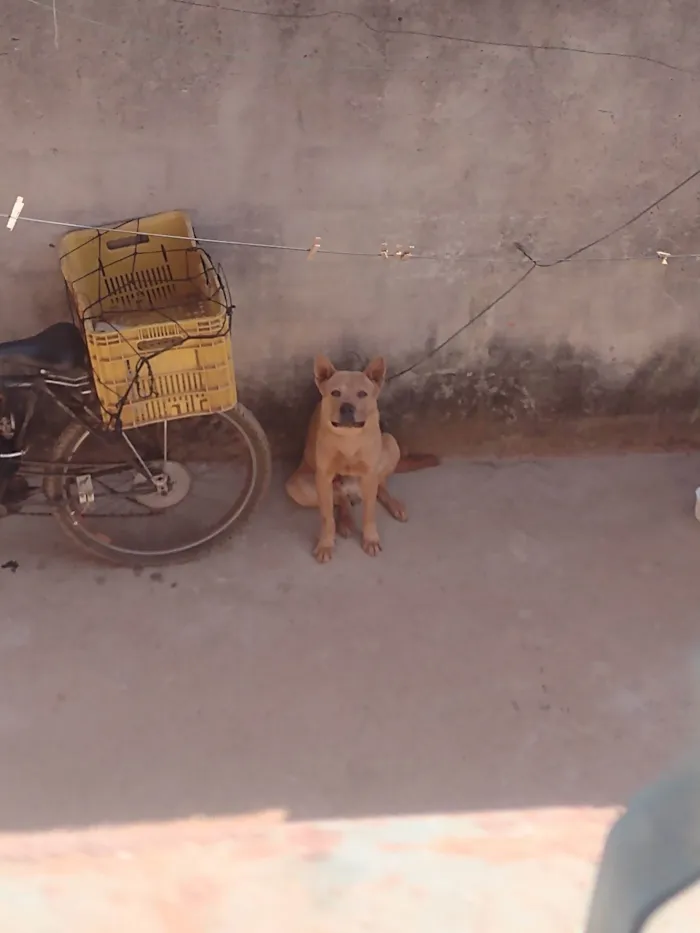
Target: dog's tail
[(412, 462)]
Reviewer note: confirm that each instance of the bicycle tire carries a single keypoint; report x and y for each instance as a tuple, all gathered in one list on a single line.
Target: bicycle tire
[(54, 490)]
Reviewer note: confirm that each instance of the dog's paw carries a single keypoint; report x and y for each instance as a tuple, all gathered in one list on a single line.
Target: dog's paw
[(398, 510), (394, 507), (323, 552), (371, 546)]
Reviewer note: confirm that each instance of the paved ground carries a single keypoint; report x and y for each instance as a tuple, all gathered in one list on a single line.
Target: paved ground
[(523, 642)]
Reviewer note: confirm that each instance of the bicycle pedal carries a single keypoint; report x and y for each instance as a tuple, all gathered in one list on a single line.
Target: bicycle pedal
[(86, 491)]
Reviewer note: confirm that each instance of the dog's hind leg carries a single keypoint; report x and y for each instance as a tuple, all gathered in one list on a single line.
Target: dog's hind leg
[(387, 464), (301, 488), (394, 506)]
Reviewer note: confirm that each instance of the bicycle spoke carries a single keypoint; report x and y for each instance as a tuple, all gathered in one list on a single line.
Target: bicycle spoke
[(197, 474), (124, 497)]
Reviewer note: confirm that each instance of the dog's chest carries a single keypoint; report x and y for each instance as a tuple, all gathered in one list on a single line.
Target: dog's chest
[(349, 464)]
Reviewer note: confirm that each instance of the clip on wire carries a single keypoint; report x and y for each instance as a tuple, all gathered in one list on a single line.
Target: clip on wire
[(664, 257), (399, 253), (315, 248), (14, 213)]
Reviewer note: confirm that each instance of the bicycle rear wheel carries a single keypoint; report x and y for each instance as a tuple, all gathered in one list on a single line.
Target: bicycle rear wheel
[(162, 493)]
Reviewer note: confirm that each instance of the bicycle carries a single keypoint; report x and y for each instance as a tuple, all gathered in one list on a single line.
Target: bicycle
[(151, 473)]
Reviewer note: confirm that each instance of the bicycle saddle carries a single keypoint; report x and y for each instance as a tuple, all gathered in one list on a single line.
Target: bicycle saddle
[(58, 347)]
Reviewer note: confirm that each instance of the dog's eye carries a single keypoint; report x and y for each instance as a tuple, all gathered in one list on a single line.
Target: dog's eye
[(362, 394), (336, 393)]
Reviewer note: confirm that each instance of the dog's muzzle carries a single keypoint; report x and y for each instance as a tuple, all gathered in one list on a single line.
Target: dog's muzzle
[(347, 417)]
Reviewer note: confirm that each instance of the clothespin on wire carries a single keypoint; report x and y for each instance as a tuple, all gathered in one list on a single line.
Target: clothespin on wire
[(15, 212), (314, 248)]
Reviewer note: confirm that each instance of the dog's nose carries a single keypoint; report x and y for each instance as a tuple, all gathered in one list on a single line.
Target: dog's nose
[(347, 410)]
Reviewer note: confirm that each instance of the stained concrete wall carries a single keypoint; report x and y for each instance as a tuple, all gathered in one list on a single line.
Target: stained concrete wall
[(362, 122)]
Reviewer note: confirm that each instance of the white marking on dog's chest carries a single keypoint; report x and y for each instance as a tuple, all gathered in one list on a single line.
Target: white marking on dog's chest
[(351, 487)]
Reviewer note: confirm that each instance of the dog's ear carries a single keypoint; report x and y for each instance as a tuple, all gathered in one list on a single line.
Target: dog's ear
[(376, 371), (323, 370)]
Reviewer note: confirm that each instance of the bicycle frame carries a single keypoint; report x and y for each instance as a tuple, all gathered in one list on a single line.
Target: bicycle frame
[(75, 397)]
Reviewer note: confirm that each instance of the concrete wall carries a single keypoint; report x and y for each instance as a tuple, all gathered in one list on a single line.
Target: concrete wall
[(350, 121)]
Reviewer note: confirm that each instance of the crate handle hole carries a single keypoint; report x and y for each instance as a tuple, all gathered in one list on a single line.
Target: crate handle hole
[(159, 344), (134, 239)]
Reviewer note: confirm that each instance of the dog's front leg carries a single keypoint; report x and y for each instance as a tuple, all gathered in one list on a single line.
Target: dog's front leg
[(370, 536), (326, 541)]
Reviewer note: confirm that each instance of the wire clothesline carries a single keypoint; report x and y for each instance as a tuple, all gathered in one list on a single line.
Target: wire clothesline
[(383, 252), (575, 256)]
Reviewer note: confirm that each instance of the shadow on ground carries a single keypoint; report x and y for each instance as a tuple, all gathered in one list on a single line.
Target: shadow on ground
[(523, 641)]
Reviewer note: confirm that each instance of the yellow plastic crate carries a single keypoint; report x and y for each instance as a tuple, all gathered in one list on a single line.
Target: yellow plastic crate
[(156, 317)]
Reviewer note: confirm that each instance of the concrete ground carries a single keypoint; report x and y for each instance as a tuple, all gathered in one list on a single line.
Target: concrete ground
[(524, 641)]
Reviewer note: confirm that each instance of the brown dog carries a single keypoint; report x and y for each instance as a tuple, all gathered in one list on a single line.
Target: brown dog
[(347, 457)]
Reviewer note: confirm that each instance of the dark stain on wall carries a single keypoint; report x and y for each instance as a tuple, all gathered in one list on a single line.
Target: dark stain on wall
[(515, 388), (524, 392)]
